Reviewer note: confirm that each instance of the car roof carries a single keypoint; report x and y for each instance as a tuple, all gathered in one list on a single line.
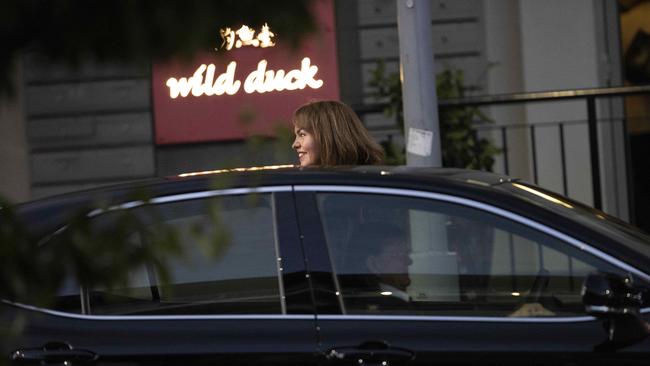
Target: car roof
[(48, 214), (377, 171), (272, 175)]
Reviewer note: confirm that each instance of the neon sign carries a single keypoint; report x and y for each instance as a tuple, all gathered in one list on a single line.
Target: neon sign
[(245, 36), (232, 94), (260, 80)]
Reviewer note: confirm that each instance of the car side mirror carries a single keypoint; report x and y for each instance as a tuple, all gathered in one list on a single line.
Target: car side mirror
[(615, 299)]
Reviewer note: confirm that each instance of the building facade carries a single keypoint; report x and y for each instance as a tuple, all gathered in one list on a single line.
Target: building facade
[(73, 129)]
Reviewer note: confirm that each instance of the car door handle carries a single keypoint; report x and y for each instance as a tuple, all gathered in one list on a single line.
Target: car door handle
[(371, 352), (53, 353)]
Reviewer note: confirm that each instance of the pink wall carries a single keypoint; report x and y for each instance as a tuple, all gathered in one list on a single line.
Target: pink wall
[(231, 117)]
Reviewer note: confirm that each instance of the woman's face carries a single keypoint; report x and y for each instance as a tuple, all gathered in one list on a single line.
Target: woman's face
[(306, 146)]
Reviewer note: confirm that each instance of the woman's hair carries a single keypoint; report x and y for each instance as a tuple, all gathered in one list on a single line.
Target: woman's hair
[(340, 135)]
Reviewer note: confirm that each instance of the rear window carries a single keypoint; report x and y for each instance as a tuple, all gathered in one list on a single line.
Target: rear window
[(228, 263)]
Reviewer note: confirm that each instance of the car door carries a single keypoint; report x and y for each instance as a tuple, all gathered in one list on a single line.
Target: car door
[(426, 278), (237, 294)]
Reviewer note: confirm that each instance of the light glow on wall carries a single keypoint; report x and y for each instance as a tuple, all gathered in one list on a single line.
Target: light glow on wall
[(260, 80)]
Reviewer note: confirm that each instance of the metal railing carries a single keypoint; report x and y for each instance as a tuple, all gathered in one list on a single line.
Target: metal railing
[(590, 98)]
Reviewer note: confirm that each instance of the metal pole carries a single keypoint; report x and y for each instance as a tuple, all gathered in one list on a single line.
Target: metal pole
[(593, 149), (565, 187), (533, 146), (504, 148), (629, 170), (418, 83)]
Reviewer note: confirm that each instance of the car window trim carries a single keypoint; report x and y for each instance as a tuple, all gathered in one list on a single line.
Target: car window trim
[(574, 319), (278, 256), (161, 317), (480, 206), (162, 199), (467, 318), (183, 197), (173, 198), (192, 196)]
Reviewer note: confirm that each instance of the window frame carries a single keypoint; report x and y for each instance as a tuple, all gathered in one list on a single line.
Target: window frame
[(152, 281), (287, 244), (489, 208)]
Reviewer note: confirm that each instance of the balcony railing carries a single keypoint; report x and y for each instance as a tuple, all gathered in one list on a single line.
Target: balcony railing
[(499, 132)]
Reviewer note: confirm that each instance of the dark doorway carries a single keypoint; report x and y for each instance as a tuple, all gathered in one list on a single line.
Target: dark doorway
[(635, 43)]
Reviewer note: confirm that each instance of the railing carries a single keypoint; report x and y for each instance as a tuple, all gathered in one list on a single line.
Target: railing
[(589, 96)]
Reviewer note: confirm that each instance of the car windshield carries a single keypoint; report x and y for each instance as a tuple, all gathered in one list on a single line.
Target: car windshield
[(596, 220)]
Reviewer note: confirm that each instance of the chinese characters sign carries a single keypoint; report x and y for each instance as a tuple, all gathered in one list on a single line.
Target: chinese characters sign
[(245, 36), (251, 71)]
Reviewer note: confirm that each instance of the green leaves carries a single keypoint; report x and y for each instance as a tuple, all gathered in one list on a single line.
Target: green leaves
[(461, 146), (388, 88), (20, 267)]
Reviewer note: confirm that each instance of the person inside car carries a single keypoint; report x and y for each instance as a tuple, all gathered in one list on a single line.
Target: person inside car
[(330, 133), (377, 266)]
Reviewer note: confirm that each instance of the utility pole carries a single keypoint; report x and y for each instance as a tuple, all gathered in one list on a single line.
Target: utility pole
[(418, 83)]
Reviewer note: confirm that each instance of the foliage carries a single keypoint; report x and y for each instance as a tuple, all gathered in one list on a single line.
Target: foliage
[(99, 246), (32, 268), (461, 146), (138, 32)]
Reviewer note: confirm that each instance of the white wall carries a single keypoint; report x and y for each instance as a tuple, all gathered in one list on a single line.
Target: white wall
[(558, 45), (505, 75), (559, 52), (551, 45)]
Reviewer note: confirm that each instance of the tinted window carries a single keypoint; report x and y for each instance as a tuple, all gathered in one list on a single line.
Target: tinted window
[(595, 220), (229, 262), (404, 255), (67, 297)]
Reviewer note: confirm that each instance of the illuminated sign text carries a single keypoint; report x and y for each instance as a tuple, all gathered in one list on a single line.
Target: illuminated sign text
[(260, 80), (245, 36)]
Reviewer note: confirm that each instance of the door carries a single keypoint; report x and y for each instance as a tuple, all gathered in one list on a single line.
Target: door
[(424, 278), (236, 294)]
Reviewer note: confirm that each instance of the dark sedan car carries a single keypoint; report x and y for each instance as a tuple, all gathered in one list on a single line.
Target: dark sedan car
[(364, 265)]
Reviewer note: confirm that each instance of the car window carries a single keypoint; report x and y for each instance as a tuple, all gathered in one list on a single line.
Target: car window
[(229, 262), (67, 297), (595, 220), (403, 255)]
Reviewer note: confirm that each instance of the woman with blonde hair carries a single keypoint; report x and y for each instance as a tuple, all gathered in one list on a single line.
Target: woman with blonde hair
[(330, 133)]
